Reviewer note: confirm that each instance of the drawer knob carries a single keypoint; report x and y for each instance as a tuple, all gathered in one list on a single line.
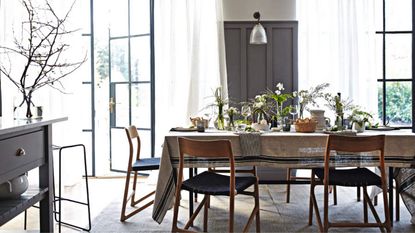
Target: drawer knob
[(20, 152)]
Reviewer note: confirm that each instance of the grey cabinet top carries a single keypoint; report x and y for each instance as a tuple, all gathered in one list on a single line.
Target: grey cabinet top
[(9, 125)]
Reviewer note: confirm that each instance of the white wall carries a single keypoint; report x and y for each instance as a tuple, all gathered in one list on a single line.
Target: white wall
[(239, 10)]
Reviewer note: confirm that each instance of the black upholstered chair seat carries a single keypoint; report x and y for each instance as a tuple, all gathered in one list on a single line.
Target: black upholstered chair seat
[(350, 177), (216, 184), (146, 164)]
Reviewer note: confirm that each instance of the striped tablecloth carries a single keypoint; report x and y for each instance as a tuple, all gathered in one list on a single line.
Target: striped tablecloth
[(280, 149)]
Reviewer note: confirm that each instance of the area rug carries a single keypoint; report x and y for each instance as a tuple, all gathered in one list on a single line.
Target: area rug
[(276, 215)]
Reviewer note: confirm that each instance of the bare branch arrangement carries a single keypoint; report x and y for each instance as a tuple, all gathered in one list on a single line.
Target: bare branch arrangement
[(41, 47)]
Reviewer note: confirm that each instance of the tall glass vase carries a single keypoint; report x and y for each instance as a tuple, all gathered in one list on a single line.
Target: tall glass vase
[(22, 108), (220, 120)]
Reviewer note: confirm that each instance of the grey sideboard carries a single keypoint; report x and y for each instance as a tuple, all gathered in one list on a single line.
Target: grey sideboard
[(25, 145)]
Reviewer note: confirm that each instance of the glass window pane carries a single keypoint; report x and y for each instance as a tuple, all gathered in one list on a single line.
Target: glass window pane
[(141, 105), (119, 60), (399, 103), (140, 58), (118, 14), (119, 149), (379, 15), (398, 15), (122, 108), (398, 56), (85, 69), (140, 17), (84, 94), (145, 137), (380, 102), (379, 56)]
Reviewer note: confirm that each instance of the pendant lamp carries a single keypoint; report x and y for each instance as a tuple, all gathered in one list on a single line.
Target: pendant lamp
[(258, 35)]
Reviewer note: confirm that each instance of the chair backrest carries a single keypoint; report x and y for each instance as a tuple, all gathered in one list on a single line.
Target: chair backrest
[(132, 134), (207, 149), (354, 144)]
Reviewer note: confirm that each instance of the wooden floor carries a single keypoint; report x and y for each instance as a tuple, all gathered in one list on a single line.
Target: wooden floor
[(106, 195)]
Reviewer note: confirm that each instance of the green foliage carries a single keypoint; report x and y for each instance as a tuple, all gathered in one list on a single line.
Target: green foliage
[(309, 97), (398, 102), (360, 117)]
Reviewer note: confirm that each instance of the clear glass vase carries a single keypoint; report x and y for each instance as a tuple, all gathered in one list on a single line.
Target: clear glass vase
[(220, 120), (24, 109)]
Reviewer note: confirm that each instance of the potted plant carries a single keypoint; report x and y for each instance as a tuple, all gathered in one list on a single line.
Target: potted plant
[(260, 109), (220, 102), (340, 107), (307, 98), (276, 105), (359, 119), (41, 47), (232, 111)]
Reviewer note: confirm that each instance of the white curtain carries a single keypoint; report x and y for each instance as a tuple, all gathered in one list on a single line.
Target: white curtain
[(190, 59), (55, 104), (337, 46)]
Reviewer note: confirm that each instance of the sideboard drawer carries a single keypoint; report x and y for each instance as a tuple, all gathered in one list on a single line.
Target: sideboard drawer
[(21, 151)]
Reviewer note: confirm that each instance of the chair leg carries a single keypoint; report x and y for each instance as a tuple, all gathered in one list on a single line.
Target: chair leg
[(134, 188), (174, 227), (397, 203), (372, 208), (206, 214), (310, 208), (326, 208), (365, 216), (314, 204), (386, 207), (334, 194), (231, 212), (288, 185), (124, 215), (257, 220), (125, 197)]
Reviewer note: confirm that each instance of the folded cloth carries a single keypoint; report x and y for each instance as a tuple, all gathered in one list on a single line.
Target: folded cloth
[(250, 144), (405, 178)]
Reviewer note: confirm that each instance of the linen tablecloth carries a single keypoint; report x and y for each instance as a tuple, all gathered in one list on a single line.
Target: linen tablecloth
[(283, 150)]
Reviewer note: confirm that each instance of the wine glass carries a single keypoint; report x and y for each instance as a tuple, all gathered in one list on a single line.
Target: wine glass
[(294, 111), (245, 112)]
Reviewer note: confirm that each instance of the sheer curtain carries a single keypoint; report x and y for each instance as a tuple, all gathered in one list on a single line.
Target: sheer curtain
[(337, 46), (189, 52), (55, 103)]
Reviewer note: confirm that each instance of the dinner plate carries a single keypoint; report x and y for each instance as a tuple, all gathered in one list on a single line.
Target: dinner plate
[(383, 128), (183, 129)]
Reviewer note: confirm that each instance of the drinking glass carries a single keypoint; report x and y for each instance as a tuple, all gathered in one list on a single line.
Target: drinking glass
[(245, 112), (294, 111)]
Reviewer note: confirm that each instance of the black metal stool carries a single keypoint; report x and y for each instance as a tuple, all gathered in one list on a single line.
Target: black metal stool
[(59, 198)]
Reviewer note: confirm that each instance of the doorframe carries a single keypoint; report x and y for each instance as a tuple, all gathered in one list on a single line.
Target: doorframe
[(130, 82)]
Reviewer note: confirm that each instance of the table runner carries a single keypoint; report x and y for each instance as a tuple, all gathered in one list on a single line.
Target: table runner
[(295, 150)]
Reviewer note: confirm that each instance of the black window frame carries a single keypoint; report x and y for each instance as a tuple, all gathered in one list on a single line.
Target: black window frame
[(385, 80)]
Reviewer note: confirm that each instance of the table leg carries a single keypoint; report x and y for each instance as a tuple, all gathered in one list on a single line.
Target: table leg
[(391, 194), (195, 175), (190, 197)]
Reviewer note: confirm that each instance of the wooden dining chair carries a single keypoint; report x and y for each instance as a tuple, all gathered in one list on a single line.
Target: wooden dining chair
[(211, 183), (290, 177), (134, 166), (354, 177)]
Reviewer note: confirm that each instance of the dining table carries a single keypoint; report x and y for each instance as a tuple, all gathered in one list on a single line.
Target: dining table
[(283, 150)]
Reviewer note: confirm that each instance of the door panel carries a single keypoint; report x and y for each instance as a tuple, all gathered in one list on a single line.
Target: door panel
[(130, 79), (141, 105)]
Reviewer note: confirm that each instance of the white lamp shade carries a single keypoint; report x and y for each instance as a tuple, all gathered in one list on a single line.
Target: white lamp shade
[(258, 35)]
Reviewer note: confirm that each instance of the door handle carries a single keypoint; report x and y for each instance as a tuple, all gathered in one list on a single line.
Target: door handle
[(111, 104)]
